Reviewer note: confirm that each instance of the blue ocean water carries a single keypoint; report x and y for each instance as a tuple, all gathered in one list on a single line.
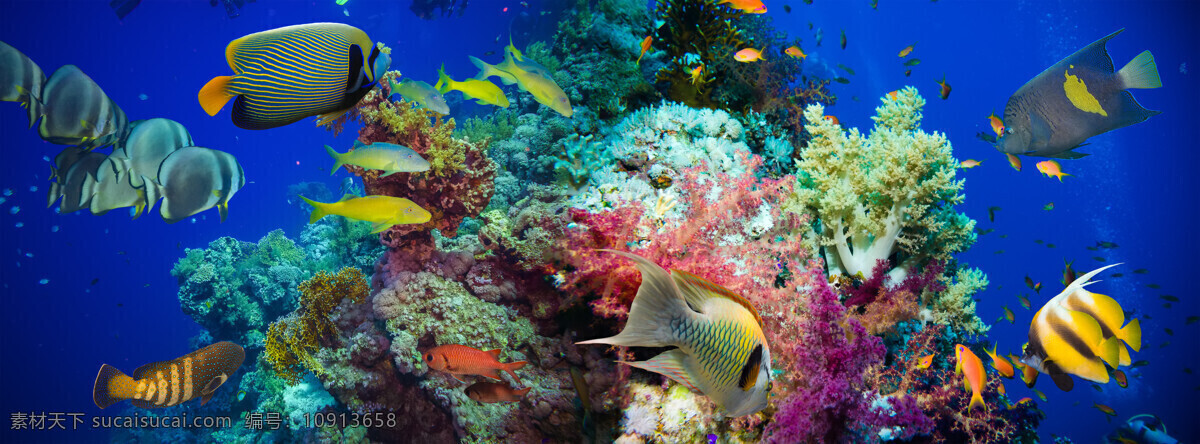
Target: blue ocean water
[(80, 290)]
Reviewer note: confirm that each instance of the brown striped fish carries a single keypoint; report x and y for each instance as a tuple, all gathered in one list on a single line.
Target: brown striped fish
[(168, 383)]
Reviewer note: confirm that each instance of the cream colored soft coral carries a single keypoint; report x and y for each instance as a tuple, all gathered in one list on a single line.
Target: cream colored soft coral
[(889, 195)]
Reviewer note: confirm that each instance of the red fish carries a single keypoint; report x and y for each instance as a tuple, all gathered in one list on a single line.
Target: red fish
[(833, 119), (975, 378), (1001, 365), (894, 94), (645, 47), (462, 360), (945, 88), (1122, 381), (489, 392)]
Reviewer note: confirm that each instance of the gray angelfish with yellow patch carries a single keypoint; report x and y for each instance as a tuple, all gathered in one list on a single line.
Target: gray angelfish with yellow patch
[(21, 80), (387, 157), (77, 112), (1079, 97), (721, 352), (194, 179), (169, 383), (1080, 333)]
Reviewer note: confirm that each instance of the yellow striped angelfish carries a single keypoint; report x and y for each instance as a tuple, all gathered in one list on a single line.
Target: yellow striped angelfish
[(287, 74), (721, 352), (1080, 333), (168, 383)]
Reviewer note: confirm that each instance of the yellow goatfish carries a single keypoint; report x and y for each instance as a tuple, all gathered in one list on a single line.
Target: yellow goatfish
[(482, 91), (540, 85), (168, 383), (388, 157), (382, 211), (1077, 333)]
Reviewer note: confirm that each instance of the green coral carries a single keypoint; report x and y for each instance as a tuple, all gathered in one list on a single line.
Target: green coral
[(956, 305), (886, 196), (580, 157)]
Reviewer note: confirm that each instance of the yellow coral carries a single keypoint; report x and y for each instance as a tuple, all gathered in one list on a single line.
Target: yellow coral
[(292, 340)]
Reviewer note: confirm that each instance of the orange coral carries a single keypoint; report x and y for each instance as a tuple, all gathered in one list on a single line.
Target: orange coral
[(292, 339)]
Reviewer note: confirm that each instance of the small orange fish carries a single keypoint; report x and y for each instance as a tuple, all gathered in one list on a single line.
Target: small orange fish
[(795, 52), (997, 124), (489, 392), (925, 362), (971, 367), (748, 55), (1040, 395), (1122, 381), (1024, 301), (1037, 288), (907, 50), (894, 94), (1000, 388), (1001, 365), (645, 47), (833, 119), (970, 163), (1106, 409), (1008, 314), (1051, 168), (462, 360), (1025, 400), (749, 6), (1028, 373), (697, 73), (945, 88), (1014, 161)]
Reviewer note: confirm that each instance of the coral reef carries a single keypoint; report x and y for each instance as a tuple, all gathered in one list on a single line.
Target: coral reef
[(599, 46), (888, 196), (696, 33), (292, 340)]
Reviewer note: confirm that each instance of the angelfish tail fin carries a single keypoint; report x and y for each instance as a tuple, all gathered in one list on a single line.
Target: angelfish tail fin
[(657, 303), (1141, 72)]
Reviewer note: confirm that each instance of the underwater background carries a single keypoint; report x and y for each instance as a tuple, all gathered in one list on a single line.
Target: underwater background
[(522, 275)]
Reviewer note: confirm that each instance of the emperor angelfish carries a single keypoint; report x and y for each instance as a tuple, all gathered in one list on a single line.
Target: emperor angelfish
[(287, 74), (1077, 98), (21, 80), (169, 383), (194, 179), (77, 112), (721, 352), (148, 143), (1079, 333)]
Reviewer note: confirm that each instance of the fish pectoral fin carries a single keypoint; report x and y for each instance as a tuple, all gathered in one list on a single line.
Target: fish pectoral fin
[(674, 364), (1070, 154), (1063, 381), (1039, 128), (380, 227), (323, 119), (455, 376)]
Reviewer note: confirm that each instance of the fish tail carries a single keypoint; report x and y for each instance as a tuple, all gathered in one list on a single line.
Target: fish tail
[(976, 400), (658, 302), (485, 69), (509, 367), (522, 392), (337, 159), (111, 386), (215, 94), (1141, 72), (1132, 334), (319, 210)]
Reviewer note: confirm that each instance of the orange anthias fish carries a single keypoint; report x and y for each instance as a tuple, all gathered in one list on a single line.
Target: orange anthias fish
[(1014, 161), (907, 50), (997, 124), (750, 6), (697, 73), (748, 55), (945, 88), (833, 119), (168, 383), (894, 94), (974, 376), (1028, 374), (1000, 388), (1025, 400), (1008, 314), (489, 392), (1001, 365), (1122, 381), (970, 163), (462, 360), (795, 52), (1051, 168), (1024, 301), (1068, 273), (925, 362), (1106, 409), (645, 47)]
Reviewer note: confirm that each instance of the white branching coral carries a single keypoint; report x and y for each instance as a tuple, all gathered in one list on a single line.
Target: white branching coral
[(887, 196)]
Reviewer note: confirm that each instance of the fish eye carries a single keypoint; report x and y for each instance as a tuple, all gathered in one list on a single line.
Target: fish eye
[(770, 385), (429, 357)]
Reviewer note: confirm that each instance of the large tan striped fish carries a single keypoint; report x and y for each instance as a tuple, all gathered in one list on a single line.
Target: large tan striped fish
[(287, 74), (1080, 333), (77, 112), (72, 167), (167, 383), (148, 143), (21, 80), (721, 352), (194, 179)]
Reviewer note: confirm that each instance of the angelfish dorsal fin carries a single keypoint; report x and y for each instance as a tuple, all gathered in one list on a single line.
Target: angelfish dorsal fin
[(696, 290)]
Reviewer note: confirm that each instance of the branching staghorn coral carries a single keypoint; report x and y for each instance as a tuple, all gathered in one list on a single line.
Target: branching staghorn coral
[(889, 195)]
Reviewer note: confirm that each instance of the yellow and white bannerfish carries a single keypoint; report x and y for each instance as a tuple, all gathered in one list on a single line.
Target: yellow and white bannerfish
[(168, 383), (721, 352), (382, 211), (1078, 332)]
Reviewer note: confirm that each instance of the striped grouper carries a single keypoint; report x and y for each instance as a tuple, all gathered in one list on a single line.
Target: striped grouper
[(287, 74), (168, 383), (1079, 97)]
